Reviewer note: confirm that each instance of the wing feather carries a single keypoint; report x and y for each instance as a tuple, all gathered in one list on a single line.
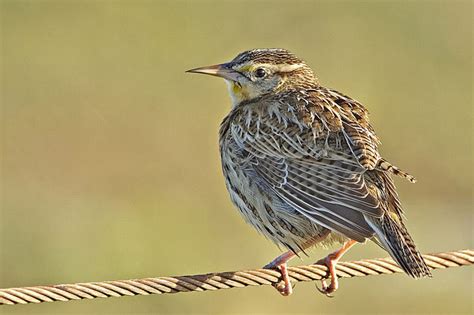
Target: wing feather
[(319, 174), (314, 157)]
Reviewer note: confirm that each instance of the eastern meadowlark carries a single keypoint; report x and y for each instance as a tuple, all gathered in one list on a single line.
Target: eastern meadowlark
[(301, 163)]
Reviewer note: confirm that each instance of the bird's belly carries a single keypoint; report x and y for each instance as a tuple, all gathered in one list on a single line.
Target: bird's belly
[(267, 212)]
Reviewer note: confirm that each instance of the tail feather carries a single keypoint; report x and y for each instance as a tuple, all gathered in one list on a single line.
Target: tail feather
[(384, 165), (398, 242)]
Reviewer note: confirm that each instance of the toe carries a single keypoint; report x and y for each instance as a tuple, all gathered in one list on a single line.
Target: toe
[(284, 289)]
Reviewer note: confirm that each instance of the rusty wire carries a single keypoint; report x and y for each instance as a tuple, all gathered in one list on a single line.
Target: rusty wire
[(217, 281)]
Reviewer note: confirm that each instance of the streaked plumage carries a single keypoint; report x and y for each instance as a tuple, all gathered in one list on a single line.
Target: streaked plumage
[(301, 161)]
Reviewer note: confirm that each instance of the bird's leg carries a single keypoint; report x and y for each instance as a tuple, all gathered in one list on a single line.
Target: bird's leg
[(284, 286), (331, 261)]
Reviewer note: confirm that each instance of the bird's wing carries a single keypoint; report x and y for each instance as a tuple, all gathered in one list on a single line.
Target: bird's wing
[(357, 130), (319, 173)]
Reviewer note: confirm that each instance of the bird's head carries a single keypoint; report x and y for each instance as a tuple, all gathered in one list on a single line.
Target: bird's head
[(255, 73)]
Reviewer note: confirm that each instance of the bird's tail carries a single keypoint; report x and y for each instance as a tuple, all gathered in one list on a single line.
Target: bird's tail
[(397, 241)]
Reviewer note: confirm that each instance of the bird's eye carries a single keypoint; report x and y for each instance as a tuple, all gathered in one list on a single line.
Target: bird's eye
[(260, 73)]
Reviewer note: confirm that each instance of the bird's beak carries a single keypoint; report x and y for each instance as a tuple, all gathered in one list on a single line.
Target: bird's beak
[(221, 70)]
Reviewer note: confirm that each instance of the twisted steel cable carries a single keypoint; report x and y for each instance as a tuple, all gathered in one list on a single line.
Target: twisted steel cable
[(218, 281)]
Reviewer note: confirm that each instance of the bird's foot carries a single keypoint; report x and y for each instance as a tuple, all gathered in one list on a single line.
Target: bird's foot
[(330, 261), (284, 286)]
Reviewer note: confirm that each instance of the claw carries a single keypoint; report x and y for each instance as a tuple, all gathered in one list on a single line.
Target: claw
[(324, 289), (284, 286), (331, 261)]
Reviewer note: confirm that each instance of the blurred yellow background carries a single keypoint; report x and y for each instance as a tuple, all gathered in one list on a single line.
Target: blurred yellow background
[(110, 164)]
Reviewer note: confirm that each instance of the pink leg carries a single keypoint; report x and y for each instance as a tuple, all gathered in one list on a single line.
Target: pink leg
[(280, 263), (331, 261), (284, 286)]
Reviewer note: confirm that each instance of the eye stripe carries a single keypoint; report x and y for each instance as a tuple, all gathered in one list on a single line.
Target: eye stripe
[(242, 74)]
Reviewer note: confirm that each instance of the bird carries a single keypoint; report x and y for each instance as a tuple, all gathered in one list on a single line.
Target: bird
[(302, 165)]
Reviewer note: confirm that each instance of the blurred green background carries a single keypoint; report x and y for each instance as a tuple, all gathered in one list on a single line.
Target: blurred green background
[(110, 164)]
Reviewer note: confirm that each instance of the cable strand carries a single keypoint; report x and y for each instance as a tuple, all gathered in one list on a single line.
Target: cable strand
[(218, 281)]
